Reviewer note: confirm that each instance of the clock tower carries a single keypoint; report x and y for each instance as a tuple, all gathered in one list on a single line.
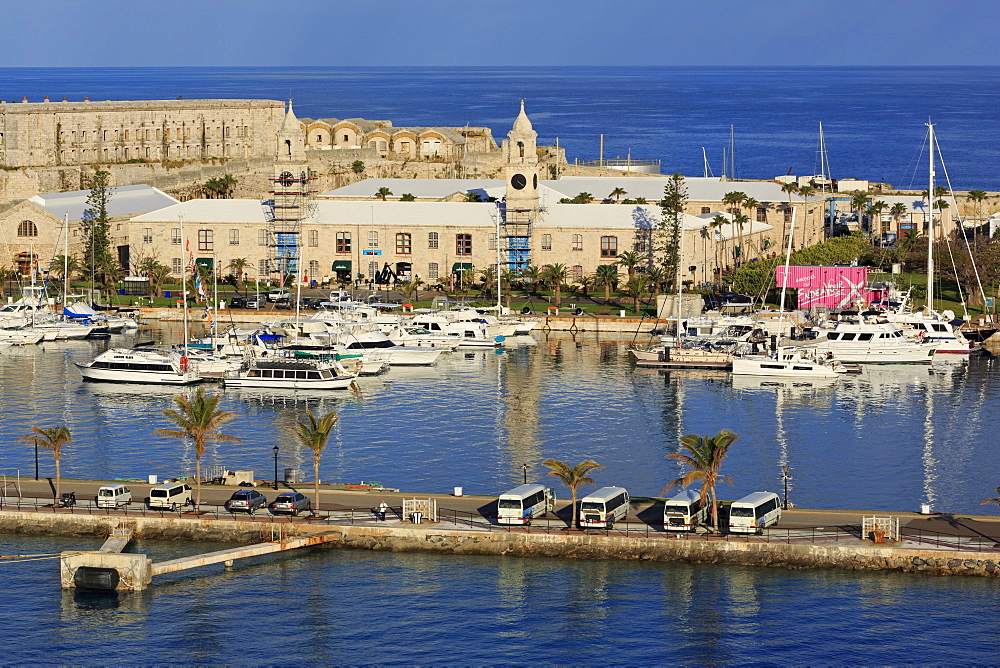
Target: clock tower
[(521, 201)]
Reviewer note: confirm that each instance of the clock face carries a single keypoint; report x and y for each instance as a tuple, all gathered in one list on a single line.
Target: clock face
[(286, 179), (534, 181), (518, 181)]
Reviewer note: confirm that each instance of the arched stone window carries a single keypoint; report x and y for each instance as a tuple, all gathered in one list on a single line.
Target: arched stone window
[(520, 148), (27, 229)]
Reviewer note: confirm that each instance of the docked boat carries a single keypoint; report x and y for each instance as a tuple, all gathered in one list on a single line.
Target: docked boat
[(871, 343), (468, 333), (296, 374), (789, 362), (682, 357), (140, 365), (934, 327), (377, 346)]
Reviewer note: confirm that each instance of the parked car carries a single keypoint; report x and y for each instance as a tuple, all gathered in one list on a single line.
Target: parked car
[(310, 303), (254, 302), (246, 501), (275, 295), (290, 502), (283, 304), (238, 302)]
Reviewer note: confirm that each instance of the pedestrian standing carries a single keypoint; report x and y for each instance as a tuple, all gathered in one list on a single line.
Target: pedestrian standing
[(383, 508)]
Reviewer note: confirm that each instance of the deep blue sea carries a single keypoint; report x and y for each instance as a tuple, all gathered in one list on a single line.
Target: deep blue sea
[(891, 438), (873, 118)]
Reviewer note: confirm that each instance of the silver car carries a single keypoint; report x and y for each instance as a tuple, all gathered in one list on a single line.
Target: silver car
[(290, 502), (246, 501)]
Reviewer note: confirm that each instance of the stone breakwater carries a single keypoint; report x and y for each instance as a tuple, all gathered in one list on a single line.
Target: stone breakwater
[(854, 555)]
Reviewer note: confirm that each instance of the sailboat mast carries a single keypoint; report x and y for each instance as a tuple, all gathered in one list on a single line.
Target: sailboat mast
[(704, 160), (930, 219), (499, 257), (65, 261), (184, 288)]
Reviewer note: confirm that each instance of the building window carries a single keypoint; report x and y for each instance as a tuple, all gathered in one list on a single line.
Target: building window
[(705, 210), (234, 237), (373, 239), (261, 237), (432, 271), (176, 267), (313, 268), (577, 272), (403, 243), (546, 242), (263, 267), (761, 214), (147, 235), (788, 215), (493, 241), (432, 239), (463, 244), (372, 270), (639, 245), (609, 246), (27, 229), (206, 240), (578, 242), (175, 236), (314, 238), (343, 242)]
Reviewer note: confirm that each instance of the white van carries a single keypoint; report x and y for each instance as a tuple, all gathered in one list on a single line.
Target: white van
[(112, 496), (523, 503), (170, 496), (604, 507), (684, 512), (754, 512)]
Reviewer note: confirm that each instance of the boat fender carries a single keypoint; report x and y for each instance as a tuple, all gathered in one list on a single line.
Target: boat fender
[(184, 364), (526, 310), (578, 311)]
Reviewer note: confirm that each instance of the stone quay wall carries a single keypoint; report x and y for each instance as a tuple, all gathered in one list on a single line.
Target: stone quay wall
[(852, 555)]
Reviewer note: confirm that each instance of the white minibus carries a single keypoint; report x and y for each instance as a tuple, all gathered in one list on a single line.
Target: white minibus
[(754, 512), (112, 496), (684, 512), (604, 507), (170, 496), (521, 504)]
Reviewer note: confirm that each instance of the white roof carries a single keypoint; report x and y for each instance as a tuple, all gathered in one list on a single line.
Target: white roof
[(699, 189), (125, 201)]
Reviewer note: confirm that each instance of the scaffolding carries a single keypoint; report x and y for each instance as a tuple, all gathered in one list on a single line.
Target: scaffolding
[(289, 205), (516, 226)]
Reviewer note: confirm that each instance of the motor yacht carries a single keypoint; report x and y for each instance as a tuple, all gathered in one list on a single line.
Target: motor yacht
[(140, 365)]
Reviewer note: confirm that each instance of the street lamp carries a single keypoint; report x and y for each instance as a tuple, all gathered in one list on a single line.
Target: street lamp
[(784, 475), (36, 460), (276, 468), (525, 467)]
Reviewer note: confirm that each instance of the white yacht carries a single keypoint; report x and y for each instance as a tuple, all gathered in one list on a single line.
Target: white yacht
[(932, 326), (871, 343), (789, 362), (140, 365), (378, 346), (291, 374), (469, 333)]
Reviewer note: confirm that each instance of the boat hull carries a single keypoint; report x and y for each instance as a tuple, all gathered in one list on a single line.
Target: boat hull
[(290, 384), (139, 377)]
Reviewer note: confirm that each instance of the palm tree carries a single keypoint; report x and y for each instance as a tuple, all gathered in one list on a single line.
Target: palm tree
[(657, 276), (789, 189), (408, 197), (993, 500), (473, 197), (616, 193), (805, 192), (488, 277), (583, 285), (507, 279), (717, 223), (874, 212), (897, 211), (60, 262), (629, 260), (704, 458), (978, 197), (226, 186), (741, 220), (607, 276), (382, 193), (156, 272), (859, 202), (199, 420), (532, 274), (572, 477), (583, 198), (635, 289), (735, 201), (313, 433), (238, 266), (50, 439), (555, 275)]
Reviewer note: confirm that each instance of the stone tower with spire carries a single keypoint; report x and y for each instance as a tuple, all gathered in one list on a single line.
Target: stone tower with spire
[(520, 209)]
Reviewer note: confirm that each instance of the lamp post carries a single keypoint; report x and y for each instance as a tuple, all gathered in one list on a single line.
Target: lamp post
[(276, 468), (36, 460), (784, 476), (525, 468)]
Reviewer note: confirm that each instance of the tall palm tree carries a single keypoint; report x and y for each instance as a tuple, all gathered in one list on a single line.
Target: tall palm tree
[(874, 212), (859, 202), (977, 197), (657, 276), (238, 266), (52, 439), (488, 278), (717, 223), (555, 275), (573, 477), (198, 420), (741, 220), (897, 210), (382, 193), (805, 192), (630, 260), (789, 189), (313, 433), (616, 193), (993, 500), (226, 185), (704, 457), (507, 279), (635, 289), (532, 274), (607, 276)]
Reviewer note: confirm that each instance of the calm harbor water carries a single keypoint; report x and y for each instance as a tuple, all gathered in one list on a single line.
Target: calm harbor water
[(891, 438)]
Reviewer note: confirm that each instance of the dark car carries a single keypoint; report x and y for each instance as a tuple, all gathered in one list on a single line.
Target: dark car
[(238, 302), (290, 502), (283, 304), (310, 303), (246, 501)]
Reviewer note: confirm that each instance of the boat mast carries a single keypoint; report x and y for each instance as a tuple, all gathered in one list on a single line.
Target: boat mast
[(65, 261), (930, 219), (704, 160), (680, 275), (184, 287), (499, 296)]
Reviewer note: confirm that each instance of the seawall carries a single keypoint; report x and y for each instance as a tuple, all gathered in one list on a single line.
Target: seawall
[(851, 555)]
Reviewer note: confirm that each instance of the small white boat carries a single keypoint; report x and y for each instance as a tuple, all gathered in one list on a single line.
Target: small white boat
[(681, 357), (140, 365), (20, 337), (871, 343), (291, 374), (789, 362)]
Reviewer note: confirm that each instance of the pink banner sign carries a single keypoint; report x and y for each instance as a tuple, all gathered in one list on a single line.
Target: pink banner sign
[(830, 287)]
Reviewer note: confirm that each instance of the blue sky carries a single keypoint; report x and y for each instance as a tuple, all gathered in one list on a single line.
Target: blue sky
[(59, 33)]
